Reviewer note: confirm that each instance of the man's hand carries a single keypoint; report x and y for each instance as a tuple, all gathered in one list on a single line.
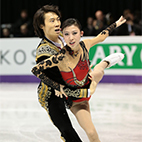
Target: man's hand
[(61, 92)]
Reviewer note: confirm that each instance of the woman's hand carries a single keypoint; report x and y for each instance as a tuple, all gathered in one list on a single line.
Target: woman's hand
[(61, 92), (120, 21)]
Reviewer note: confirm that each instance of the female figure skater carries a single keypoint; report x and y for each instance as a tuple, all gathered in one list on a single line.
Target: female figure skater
[(73, 63)]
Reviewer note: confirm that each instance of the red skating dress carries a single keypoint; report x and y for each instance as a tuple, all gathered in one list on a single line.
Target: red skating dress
[(78, 77)]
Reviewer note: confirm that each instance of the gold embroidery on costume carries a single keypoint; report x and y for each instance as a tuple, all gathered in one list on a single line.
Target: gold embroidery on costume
[(77, 93), (73, 93), (79, 83), (46, 49), (84, 93), (43, 94)]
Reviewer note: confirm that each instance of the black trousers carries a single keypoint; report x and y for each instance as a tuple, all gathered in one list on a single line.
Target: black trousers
[(56, 109)]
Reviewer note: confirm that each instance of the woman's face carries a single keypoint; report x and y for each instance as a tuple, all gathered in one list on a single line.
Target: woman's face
[(52, 25), (72, 36)]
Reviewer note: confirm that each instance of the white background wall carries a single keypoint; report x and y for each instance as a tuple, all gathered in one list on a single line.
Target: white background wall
[(17, 55)]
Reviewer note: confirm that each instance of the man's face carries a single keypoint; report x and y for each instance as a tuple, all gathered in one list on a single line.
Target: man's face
[(52, 25)]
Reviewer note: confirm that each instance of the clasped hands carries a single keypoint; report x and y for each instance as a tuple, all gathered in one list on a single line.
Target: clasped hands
[(61, 92)]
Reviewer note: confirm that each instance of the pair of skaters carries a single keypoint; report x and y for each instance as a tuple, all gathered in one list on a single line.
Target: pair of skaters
[(71, 66)]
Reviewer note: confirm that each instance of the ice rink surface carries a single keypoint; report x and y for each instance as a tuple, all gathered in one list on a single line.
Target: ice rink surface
[(116, 112)]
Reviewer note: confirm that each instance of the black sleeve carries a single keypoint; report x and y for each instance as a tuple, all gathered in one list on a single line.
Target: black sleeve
[(53, 73)]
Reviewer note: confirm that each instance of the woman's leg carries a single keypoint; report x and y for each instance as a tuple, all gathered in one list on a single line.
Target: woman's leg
[(109, 61), (82, 114), (98, 71), (97, 75)]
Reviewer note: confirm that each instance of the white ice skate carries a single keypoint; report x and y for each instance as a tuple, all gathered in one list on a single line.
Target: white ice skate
[(113, 59)]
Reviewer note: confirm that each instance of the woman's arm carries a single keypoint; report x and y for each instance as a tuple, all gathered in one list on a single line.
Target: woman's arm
[(104, 34)]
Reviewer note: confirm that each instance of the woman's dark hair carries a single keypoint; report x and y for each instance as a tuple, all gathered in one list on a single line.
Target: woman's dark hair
[(70, 22), (39, 18)]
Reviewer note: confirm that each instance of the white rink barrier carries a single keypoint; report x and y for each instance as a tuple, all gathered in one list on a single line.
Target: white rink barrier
[(17, 57)]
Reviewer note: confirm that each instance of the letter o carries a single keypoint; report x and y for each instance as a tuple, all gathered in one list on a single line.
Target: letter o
[(15, 57)]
